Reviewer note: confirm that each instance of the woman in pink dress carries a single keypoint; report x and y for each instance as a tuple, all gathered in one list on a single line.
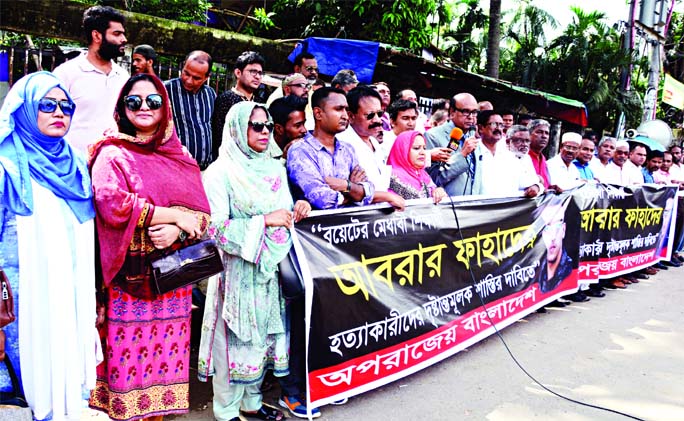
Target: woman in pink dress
[(148, 197)]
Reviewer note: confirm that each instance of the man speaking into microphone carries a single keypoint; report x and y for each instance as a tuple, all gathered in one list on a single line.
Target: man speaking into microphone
[(459, 175)]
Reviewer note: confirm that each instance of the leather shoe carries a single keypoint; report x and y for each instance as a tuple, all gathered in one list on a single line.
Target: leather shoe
[(595, 293), (626, 280), (671, 263), (679, 257), (660, 266), (578, 297), (631, 279), (617, 283), (638, 275), (650, 271)]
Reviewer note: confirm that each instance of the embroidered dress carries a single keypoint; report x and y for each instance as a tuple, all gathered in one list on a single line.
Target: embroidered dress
[(243, 186), (146, 337), (46, 251)]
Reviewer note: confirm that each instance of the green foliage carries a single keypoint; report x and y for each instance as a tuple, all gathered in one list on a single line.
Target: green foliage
[(402, 23), (463, 40), (178, 10)]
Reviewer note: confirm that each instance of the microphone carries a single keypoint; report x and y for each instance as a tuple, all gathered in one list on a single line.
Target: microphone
[(471, 132), (454, 138)]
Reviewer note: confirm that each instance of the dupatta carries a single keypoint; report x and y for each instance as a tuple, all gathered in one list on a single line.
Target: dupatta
[(131, 175)]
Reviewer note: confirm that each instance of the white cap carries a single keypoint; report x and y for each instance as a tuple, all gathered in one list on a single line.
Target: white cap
[(571, 137)]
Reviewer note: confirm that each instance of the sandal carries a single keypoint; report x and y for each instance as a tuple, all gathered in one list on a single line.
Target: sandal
[(265, 413)]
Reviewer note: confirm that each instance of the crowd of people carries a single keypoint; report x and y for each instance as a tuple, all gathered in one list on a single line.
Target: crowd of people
[(101, 172)]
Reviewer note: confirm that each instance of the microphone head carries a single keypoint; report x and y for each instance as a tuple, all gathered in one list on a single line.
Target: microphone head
[(456, 133)]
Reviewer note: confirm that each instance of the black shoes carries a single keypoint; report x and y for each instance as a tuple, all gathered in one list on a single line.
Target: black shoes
[(595, 293), (578, 297)]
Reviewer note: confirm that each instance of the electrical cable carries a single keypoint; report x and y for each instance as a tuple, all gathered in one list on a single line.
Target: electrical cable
[(498, 333)]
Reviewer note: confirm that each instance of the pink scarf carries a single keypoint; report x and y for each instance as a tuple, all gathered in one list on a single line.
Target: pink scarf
[(402, 167)]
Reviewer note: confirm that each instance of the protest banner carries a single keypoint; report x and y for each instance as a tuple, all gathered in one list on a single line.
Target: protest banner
[(390, 293)]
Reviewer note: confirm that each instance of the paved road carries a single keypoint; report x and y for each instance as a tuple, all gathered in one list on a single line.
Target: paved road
[(624, 351)]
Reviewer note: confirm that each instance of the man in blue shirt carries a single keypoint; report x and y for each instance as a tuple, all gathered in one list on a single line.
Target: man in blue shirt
[(322, 170), (586, 153)]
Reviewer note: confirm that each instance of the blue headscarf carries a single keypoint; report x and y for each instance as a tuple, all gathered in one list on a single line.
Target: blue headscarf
[(25, 153)]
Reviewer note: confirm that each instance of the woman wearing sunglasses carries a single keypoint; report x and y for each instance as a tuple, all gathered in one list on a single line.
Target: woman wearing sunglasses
[(149, 197), (252, 213), (46, 249)]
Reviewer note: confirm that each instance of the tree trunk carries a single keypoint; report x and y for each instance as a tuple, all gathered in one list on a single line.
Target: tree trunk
[(493, 38)]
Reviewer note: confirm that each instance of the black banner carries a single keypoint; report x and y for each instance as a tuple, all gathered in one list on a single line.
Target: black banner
[(390, 293)]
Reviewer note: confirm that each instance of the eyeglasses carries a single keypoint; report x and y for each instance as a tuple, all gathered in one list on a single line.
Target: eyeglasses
[(311, 69), (494, 125), (301, 85), (134, 102), (258, 126), (254, 72), (371, 116), (520, 140), (49, 105), (468, 112), (570, 148)]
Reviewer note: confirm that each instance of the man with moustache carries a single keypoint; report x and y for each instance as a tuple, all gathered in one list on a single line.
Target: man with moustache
[(364, 123), (144, 58), (248, 71), (306, 65), (624, 176), (654, 160), (602, 164), (322, 170), (192, 101), (459, 175), (502, 172), (539, 139), (296, 84), (93, 79), (518, 140), (677, 170), (288, 117), (562, 172)]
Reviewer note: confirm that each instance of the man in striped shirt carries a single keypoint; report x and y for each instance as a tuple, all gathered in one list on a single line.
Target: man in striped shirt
[(192, 102)]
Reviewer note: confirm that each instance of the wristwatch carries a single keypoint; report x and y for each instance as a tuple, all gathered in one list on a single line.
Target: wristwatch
[(182, 235)]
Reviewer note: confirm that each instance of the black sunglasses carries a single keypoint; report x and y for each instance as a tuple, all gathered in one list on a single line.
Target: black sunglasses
[(134, 102), (259, 127), (371, 116), (49, 105)]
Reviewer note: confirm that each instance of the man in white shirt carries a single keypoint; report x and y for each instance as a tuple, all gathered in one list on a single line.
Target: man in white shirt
[(562, 172), (637, 157), (93, 79), (502, 173), (364, 123), (600, 165)]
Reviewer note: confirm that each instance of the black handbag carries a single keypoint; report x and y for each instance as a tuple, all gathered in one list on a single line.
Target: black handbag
[(186, 266), (291, 280)]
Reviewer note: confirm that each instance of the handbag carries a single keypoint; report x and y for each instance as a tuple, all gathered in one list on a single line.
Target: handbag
[(186, 266), (291, 280), (6, 301)]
